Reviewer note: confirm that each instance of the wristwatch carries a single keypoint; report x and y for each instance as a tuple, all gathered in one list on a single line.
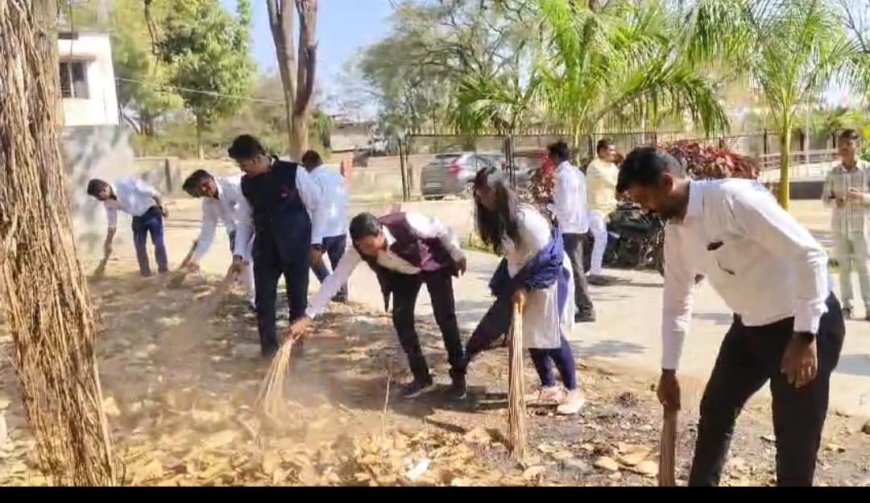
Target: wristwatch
[(807, 337)]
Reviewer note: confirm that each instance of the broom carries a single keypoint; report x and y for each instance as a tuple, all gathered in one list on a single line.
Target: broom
[(182, 269), (271, 396), (516, 388), (668, 449), (100, 271)]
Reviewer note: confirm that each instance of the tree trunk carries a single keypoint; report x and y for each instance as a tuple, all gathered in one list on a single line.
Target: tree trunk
[(784, 157), (46, 295), (297, 70)]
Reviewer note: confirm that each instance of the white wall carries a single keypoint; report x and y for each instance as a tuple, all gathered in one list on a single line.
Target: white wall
[(101, 106)]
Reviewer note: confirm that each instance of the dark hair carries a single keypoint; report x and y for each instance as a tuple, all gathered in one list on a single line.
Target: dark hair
[(95, 185), (193, 182), (849, 135), (493, 226), (644, 167), (603, 144), (245, 147), (559, 150), (364, 225), (311, 157)]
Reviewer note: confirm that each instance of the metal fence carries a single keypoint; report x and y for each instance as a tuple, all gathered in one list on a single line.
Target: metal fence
[(520, 152)]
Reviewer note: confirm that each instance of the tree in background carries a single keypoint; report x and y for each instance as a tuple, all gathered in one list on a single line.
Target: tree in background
[(790, 49), (297, 69), (142, 81), (620, 67), (45, 294), (208, 52)]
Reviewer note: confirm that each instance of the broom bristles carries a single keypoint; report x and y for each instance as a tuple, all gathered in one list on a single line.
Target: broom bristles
[(270, 399), (516, 388)]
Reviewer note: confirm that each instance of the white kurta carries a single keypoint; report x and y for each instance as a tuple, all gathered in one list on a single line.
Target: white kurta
[(543, 326)]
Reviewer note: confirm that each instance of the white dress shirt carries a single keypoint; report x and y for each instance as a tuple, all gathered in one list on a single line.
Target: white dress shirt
[(334, 200), (569, 200), (309, 192), (764, 265), (425, 227), (222, 209), (133, 196)]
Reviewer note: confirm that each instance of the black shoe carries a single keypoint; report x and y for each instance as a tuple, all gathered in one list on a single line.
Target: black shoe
[(458, 389), (417, 388), (584, 318)]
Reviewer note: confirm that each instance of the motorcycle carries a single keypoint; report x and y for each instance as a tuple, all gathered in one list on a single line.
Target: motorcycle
[(635, 240)]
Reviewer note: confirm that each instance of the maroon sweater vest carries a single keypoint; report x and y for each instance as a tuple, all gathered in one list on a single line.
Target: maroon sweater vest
[(428, 254)]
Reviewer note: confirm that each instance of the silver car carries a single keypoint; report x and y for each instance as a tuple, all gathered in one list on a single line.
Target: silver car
[(452, 174)]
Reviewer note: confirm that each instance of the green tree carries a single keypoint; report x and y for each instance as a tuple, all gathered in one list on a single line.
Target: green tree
[(142, 81), (622, 67), (790, 49), (208, 53)]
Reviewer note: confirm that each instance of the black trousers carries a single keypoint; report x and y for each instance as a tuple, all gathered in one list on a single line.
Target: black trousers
[(267, 271), (406, 288), (574, 244), (750, 357)]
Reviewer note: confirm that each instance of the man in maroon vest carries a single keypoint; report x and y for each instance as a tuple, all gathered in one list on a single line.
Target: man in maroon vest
[(405, 250)]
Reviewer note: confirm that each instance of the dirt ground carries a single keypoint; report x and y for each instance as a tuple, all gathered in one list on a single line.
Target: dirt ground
[(181, 401)]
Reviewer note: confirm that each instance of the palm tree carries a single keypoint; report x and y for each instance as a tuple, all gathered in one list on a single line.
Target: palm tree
[(622, 67), (499, 104), (790, 49)]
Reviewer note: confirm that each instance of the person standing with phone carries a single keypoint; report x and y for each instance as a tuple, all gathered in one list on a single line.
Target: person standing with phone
[(846, 193)]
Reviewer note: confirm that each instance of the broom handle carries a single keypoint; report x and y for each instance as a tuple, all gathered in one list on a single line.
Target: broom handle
[(668, 449), (189, 256), (516, 387)]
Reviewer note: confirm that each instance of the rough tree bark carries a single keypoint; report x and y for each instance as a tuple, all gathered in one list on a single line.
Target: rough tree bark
[(297, 70), (45, 294)]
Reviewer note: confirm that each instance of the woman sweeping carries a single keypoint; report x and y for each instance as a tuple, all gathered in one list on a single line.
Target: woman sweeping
[(536, 273)]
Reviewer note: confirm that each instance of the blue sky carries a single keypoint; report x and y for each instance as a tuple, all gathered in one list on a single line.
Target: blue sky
[(343, 27)]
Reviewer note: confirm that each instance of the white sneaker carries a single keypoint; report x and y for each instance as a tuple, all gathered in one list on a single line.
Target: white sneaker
[(572, 404), (548, 394)]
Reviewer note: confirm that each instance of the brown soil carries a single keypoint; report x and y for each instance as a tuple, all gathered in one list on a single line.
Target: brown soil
[(181, 404)]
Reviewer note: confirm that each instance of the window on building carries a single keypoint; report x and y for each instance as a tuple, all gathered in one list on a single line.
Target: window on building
[(73, 79)]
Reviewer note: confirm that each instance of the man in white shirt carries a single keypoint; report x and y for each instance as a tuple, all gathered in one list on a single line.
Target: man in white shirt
[(788, 326), (845, 192), (569, 207), (601, 175), (405, 250), (334, 206), (220, 200), (142, 201)]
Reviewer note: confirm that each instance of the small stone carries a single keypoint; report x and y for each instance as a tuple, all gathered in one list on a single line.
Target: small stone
[(615, 476), (606, 463), (4, 403)]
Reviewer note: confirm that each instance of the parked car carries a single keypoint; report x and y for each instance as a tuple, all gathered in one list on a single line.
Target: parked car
[(452, 174)]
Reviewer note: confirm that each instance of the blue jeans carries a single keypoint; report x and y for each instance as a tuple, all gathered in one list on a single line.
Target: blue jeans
[(150, 222), (333, 248)]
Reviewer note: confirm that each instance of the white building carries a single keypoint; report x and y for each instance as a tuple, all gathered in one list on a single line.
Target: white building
[(87, 79)]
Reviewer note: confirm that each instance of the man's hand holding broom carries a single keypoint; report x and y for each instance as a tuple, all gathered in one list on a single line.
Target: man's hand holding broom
[(299, 327)]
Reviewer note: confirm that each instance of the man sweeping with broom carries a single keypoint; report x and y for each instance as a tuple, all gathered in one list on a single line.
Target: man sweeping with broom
[(221, 197), (405, 250), (280, 210), (788, 326)]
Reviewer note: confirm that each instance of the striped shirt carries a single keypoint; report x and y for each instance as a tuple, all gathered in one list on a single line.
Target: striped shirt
[(852, 217)]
